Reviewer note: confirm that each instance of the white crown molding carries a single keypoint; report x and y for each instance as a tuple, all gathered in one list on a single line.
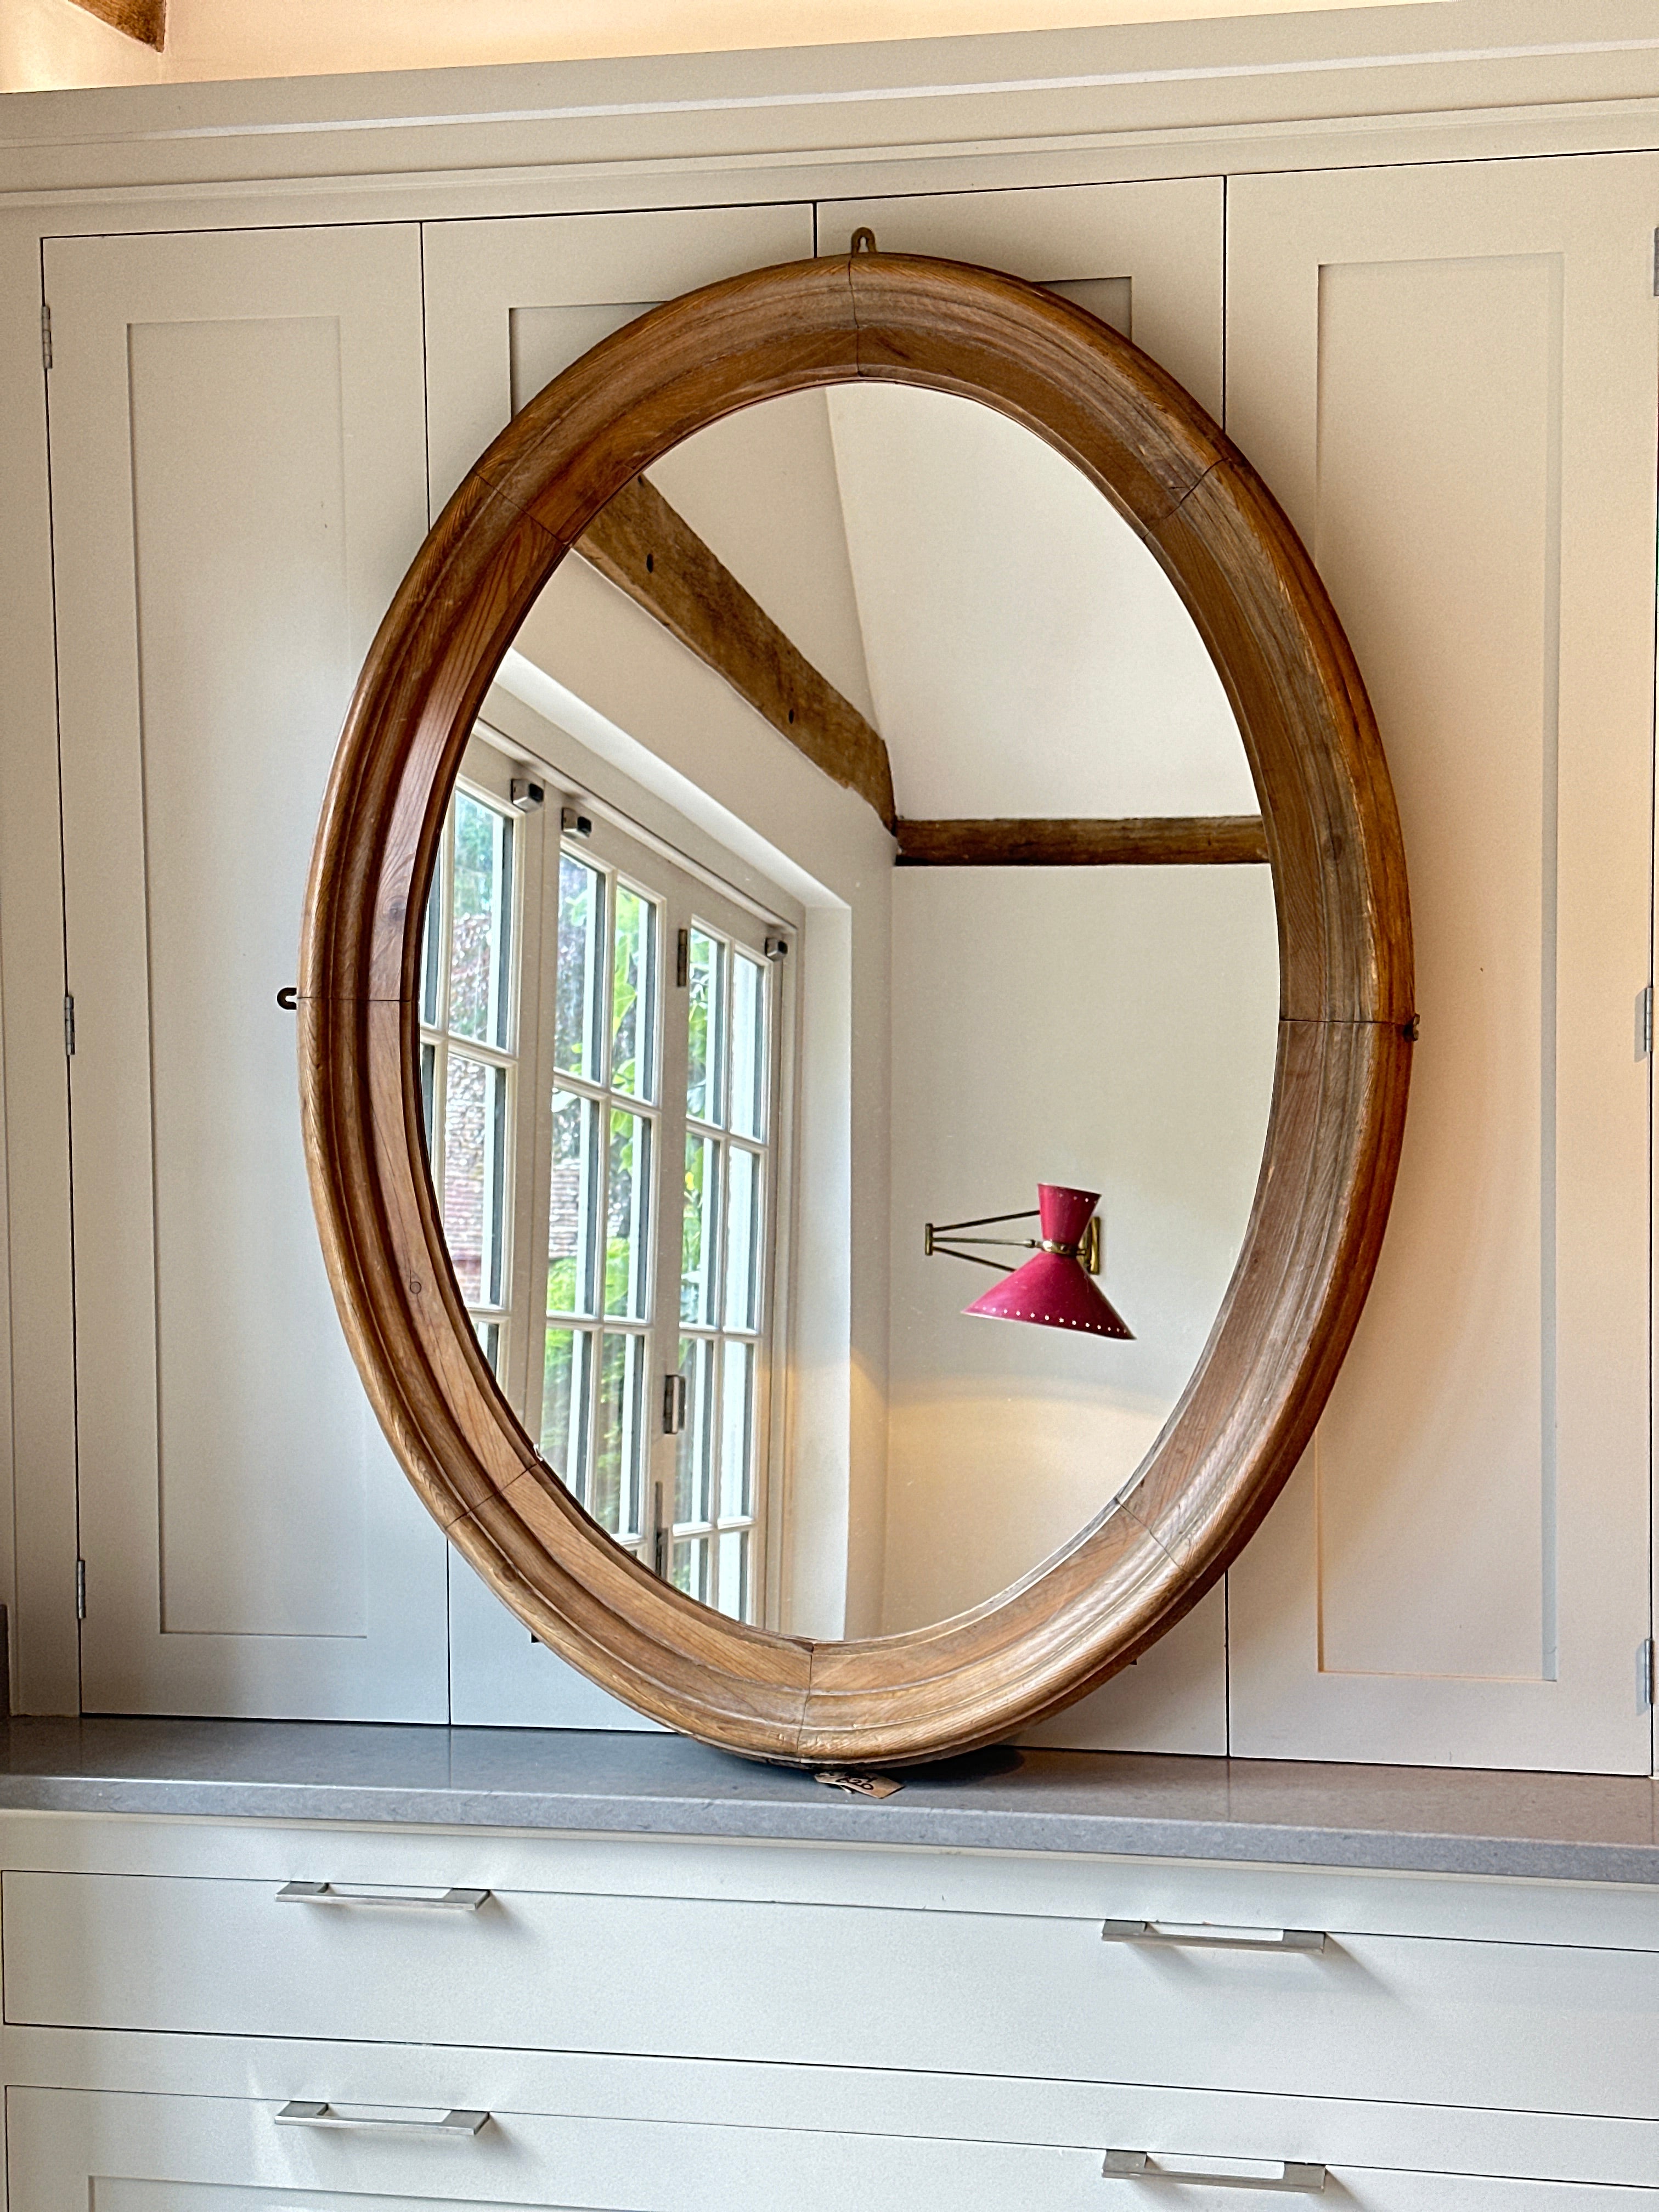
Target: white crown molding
[(1509, 69)]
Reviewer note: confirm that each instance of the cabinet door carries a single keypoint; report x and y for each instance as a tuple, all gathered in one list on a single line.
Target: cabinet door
[(1447, 374), (239, 483), (1145, 258), (509, 303)]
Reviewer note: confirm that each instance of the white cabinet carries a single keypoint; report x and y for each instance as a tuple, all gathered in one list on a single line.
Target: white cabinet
[(637, 2024), (1447, 376), (239, 482)]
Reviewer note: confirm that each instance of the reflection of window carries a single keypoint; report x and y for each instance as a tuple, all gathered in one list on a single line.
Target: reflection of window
[(722, 1271), (601, 1209), (614, 1047), (468, 991)]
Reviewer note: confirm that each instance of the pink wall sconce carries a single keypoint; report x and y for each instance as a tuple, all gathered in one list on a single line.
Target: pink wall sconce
[(1055, 1287)]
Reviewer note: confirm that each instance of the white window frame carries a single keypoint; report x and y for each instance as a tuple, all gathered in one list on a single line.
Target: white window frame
[(688, 894)]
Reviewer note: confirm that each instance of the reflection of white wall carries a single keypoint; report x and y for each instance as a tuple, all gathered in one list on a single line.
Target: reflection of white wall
[(1113, 1029), (1026, 653)]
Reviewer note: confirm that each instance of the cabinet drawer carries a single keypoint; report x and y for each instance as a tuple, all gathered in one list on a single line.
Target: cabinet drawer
[(1417, 2020), (173, 2153)]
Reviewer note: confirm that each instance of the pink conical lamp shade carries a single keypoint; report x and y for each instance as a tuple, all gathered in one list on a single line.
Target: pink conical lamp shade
[(1054, 1288)]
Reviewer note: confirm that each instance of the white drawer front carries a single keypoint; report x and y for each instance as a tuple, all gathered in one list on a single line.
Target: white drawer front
[(1415, 2019), (164, 2154)]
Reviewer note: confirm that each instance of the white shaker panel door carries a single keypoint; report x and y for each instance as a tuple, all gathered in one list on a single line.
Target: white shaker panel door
[(1448, 377), (239, 483), (509, 303), (1146, 258)]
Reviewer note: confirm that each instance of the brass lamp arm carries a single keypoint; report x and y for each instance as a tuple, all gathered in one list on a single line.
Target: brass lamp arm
[(1088, 1252)]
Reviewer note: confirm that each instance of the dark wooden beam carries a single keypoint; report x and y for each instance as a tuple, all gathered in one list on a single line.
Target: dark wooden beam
[(143, 19), (1180, 841), (652, 553)]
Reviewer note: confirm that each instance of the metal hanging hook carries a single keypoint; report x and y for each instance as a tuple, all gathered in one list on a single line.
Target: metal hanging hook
[(863, 241)]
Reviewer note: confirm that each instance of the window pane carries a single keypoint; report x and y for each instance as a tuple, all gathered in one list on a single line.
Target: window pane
[(744, 1209), (706, 1022), (489, 1337), (736, 1429), (694, 1455), (628, 1228), (579, 1025), (475, 1166), (748, 1046), (619, 1460), (734, 1573), (687, 1568), (634, 996), (566, 1394), (573, 1213), (478, 951), (429, 1090), (700, 1231), (432, 951)]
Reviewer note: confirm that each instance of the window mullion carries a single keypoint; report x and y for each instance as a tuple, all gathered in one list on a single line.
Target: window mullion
[(672, 1062)]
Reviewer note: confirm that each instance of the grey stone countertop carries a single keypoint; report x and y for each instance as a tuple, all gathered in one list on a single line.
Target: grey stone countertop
[(1430, 1820)]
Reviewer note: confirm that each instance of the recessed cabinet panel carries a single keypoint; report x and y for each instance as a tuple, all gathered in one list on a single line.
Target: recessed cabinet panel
[(510, 302), (238, 483), (1447, 376), (1406, 2019)]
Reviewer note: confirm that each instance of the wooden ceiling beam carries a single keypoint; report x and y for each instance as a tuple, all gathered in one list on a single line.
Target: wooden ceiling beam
[(1180, 840), (644, 546), (143, 19)]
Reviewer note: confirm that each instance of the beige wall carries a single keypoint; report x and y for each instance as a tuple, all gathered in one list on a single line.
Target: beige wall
[(50, 44)]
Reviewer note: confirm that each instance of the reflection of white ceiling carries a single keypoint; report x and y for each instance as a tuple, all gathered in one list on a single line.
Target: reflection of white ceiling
[(1017, 647), (761, 488)]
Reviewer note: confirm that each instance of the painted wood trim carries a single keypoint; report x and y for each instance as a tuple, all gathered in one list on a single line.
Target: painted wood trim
[(650, 551), (143, 19), (1338, 1115), (1125, 842)]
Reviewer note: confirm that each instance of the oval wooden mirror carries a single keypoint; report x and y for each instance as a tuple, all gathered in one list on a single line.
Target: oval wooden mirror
[(1345, 1018)]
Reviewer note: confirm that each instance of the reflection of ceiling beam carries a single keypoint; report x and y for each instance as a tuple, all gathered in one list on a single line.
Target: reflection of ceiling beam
[(654, 554), (1170, 841), (143, 19)]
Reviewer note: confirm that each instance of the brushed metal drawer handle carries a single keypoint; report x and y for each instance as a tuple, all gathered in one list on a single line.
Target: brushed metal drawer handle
[(1265, 1939), (302, 2113), (1295, 2174), (323, 1893)]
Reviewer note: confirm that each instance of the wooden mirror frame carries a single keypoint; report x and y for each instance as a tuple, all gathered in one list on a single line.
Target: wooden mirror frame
[(1344, 1047)]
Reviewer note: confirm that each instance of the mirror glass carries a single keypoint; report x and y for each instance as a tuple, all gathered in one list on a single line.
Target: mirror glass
[(712, 1054)]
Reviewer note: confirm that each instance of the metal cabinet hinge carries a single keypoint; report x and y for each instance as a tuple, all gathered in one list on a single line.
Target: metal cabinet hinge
[(46, 335), (69, 1024), (1647, 1676), (80, 1589), (1655, 264), (1644, 1022), (683, 960)]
